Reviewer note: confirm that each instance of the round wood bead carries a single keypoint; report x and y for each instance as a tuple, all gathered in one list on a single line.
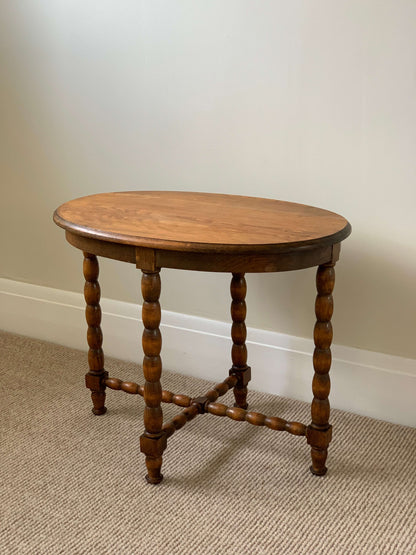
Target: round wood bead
[(222, 388), (167, 396), (179, 420), (238, 310), (132, 388), (255, 418), (93, 314), (322, 360), (296, 428), (92, 292), (321, 386), (217, 408), (274, 423), (153, 393), (325, 279), (169, 429), (90, 267), (94, 337), (96, 359), (320, 410), (152, 342), (152, 372), (152, 367), (181, 400), (151, 287), (322, 335), (324, 307), (238, 287), (151, 313), (238, 333), (236, 413)]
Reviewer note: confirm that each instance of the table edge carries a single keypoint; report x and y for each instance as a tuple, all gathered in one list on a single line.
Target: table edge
[(180, 246)]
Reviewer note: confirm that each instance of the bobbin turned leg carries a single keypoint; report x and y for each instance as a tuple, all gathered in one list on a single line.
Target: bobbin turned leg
[(238, 333), (94, 379), (319, 432), (153, 441)]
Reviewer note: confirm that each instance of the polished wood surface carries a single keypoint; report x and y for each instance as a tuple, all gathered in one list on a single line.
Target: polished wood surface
[(239, 368), (240, 262), (319, 431), (94, 379), (200, 222), (216, 233), (153, 441)]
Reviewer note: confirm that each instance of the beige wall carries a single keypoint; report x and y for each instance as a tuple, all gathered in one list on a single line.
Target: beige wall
[(306, 101)]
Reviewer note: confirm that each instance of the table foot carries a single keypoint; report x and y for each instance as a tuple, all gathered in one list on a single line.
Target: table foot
[(318, 468), (154, 479), (153, 447), (98, 400), (99, 411)]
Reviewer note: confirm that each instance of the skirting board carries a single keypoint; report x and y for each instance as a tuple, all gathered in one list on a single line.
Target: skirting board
[(367, 383)]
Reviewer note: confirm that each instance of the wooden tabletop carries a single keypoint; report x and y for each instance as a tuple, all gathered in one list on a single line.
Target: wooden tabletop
[(200, 222)]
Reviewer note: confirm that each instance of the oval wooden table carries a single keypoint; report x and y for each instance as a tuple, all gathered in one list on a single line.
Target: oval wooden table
[(216, 233)]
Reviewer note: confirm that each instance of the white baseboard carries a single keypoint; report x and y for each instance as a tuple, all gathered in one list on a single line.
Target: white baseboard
[(368, 383)]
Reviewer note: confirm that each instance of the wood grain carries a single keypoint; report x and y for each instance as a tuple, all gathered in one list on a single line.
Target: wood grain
[(94, 379), (319, 432), (205, 232), (153, 440), (200, 222), (239, 369)]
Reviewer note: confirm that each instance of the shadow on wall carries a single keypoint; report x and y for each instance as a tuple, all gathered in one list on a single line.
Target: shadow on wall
[(364, 278), (284, 302)]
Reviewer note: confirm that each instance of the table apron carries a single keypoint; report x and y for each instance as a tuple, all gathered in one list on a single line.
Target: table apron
[(153, 259)]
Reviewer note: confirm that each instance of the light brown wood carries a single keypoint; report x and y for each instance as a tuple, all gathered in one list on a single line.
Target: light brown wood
[(200, 222), (256, 418), (239, 368), (153, 440), (96, 376), (319, 432), (206, 232), (151, 259)]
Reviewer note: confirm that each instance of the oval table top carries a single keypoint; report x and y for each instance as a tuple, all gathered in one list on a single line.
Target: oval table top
[(200, 222)]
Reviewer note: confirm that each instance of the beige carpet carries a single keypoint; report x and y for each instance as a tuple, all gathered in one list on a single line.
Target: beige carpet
[(73, 483)]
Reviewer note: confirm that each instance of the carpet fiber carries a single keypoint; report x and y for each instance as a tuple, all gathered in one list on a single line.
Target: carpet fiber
[(72, 482)]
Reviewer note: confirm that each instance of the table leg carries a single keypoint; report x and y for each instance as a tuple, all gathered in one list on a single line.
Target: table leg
[(319, 432), (153, 441), (239, 333), (94, 379)]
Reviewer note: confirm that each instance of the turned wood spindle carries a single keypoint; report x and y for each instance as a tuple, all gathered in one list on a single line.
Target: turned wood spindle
[(94, 379), (238, 334), (319, 431), (153, 441), (256, 418), (180, 420)]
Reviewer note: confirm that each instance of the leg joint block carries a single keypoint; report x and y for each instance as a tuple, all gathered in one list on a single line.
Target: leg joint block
[(153, 446), (317, 438), (243, 375), (199, 403), (95, 382)]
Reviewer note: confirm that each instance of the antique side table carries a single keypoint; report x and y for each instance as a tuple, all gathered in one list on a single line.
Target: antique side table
[(214, 233)]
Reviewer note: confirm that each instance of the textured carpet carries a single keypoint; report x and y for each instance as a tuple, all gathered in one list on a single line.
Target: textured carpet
[(72, 482)]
